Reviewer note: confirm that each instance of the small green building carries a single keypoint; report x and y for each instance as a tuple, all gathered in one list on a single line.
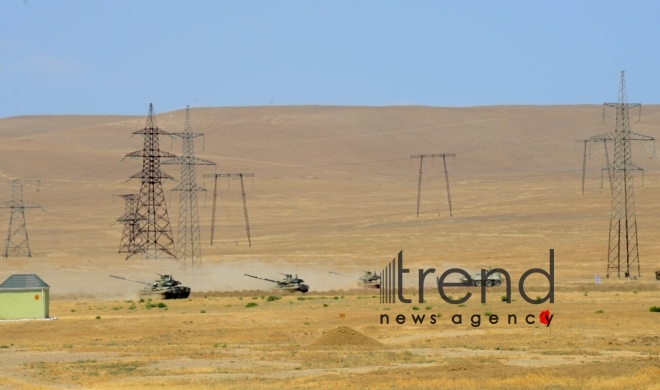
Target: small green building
[(24, 297)]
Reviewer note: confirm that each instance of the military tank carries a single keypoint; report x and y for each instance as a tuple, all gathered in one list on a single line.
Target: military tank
[(165, 287), (493, 280), (368, 279), (289, 283)]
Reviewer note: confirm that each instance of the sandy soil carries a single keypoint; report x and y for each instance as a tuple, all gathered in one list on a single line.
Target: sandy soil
[(597, 339)]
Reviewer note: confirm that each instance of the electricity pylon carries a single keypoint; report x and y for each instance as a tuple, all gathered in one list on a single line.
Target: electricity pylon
[(189, 249), (155, 232), (131, 220), (623, 221), (419, 183), (17, 242), (215, 177)]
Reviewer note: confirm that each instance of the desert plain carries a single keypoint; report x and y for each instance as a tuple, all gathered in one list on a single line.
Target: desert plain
[(335, 189)]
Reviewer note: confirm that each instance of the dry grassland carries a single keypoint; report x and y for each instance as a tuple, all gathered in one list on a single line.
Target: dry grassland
[(218, 342)]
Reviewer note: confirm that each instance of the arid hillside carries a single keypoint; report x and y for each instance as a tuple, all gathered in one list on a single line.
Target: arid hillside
[(334, 189)]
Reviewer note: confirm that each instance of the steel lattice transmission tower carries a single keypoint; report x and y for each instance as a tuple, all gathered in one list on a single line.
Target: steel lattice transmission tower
[(131, 220), (188, 243), (623, 244), (155, 232), (17, 242)]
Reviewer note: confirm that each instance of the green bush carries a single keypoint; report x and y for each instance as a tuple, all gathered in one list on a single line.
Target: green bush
[(415, 308), (655, 309), (161, 305), (252, 304), (272, 298)]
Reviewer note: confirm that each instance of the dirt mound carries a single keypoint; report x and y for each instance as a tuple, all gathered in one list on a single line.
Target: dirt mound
[(344, 336)]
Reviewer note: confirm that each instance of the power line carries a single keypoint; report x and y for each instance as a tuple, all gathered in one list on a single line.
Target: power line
[(419, 183), (155, 233), (623, 221), (189, 248), (17, 242), (215, 177), (131, 221)]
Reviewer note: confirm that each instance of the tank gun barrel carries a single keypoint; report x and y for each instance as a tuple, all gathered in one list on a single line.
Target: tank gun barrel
[(256, 277), (130, 280), (337, 273)]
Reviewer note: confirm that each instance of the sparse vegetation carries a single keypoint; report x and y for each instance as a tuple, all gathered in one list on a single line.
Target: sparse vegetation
[(202, 311), (252, 304), (272, 298), (160, 305), (599, 312), (415, 308), (428, 307), (98, 317)]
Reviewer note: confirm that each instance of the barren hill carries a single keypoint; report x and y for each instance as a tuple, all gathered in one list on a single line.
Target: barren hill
[(334, 189)]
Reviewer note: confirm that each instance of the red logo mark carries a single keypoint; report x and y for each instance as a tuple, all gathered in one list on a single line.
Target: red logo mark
[(545, 317)]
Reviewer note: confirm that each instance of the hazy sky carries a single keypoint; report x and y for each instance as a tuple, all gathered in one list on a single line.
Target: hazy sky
[(94, 57)]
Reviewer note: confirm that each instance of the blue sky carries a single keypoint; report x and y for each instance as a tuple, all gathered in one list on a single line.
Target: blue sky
[(114, 57)]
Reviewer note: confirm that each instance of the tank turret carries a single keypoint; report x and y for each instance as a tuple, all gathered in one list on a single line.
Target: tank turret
[(289, 283), (493, 280), (368, 279), (165, 287)]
